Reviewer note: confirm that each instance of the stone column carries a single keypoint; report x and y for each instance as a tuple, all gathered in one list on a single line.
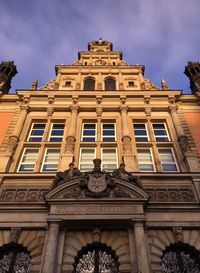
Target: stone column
[(51, 248), (128, 156), (6, 160), (68, 156), (143, 265), (191, 159)]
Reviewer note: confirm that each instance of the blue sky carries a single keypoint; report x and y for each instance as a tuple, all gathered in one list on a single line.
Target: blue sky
[(38, 34)]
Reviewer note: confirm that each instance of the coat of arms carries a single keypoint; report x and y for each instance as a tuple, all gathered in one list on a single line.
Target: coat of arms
[(97, 183)]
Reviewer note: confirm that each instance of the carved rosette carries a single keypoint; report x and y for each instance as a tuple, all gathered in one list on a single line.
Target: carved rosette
[(184, 144), (70, 144), (12, 144), (127, 148)]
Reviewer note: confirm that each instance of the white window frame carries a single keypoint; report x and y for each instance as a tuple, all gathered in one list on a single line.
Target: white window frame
[(22, 156), (153, 162), (140, 136), (174, 157), (30, 131), (86, 148), (52, 129), (166, 129), (102, 136), (45, 163), (102, 161), (95, 136)]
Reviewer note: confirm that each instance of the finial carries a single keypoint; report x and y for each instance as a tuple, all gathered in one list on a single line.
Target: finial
[(164, 84), (34, 85)]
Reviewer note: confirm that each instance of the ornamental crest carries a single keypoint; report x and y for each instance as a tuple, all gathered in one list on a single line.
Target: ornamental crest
[(97, 183)]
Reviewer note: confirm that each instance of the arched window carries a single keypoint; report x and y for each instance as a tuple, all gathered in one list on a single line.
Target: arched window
[(14, 258), (181, 258), (95, 258), (89, 84), (110, 84)]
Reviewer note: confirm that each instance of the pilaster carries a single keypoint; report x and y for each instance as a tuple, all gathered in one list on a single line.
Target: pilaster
[(50, 250), (128, 156)]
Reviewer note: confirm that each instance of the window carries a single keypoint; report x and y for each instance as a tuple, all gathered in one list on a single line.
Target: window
[(50, 162), (89, 132), (131, 84), (36, 132), (56, 133), (14, 258), (87, 155), (96, 257), (110, 84), (28, 160), (145, 160), (109, 159), (89, 84), (68, 83), (160, 132), (140, 131), (180, 258), (108, 132), (153, 140), (167, 160)]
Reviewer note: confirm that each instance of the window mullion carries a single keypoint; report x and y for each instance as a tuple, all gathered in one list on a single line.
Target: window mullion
[(47, 130), (40, 157), (156, 158), (150, 130)]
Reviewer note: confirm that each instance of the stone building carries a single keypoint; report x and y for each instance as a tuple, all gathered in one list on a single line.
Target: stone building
[(100, 170)]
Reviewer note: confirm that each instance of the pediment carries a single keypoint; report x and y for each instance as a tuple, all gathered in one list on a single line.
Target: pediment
[(74, 189)]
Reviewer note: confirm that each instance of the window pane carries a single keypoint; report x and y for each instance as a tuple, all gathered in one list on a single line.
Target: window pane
[(89, 126), (160, 132), (36, 132), (167, 160), (108, 126), (38, 126), (108, 133), (109, 159), (86, 159), (51, 158), (57, 131), (140, 132), (89, 132), (145, 160), (169, 167), (28, 160)]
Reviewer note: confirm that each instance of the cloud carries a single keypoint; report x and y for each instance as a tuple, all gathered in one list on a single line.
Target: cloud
[(161, 34)]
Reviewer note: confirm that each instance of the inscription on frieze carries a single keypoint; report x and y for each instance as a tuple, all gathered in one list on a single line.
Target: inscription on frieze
[(96, 210)]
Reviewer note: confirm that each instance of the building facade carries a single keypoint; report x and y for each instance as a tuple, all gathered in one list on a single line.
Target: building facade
[(100, 170)]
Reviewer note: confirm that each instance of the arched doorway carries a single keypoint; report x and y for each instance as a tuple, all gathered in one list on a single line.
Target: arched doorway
[(96, 258), (14, 258), (181, 258)]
